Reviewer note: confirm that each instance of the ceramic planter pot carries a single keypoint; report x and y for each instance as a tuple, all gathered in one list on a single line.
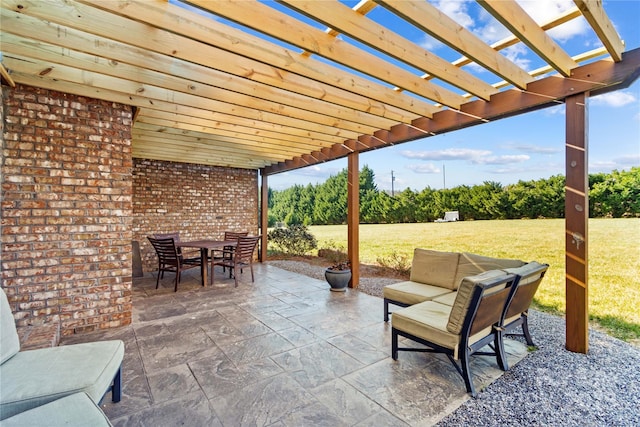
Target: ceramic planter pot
[(338, 279)]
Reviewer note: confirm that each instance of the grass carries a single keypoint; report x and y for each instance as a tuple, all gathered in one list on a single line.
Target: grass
[(614, 258)]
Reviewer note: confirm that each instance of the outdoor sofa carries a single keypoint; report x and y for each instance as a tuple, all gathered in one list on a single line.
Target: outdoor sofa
[(457, 304), (436, 276), (33, 378)]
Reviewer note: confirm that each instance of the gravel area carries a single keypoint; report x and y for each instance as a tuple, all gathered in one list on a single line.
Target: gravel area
[(551, 386)]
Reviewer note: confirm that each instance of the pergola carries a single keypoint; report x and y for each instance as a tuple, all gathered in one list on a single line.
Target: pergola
[(280, 86)]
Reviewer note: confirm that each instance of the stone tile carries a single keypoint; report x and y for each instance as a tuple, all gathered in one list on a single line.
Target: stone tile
[(164, 351), (298, 336), (316, 363), (263, 403), (274, 321), (190, 410), (345, 401), (382, 418), (315, 415), (282, 351), (172, 382), (219, 376), (358, 349), (241, 352)]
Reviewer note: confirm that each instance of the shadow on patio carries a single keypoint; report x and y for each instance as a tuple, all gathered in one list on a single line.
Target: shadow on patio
[(281, 351)]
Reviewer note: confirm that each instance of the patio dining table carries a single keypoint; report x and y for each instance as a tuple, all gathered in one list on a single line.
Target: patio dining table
[(205, 245)]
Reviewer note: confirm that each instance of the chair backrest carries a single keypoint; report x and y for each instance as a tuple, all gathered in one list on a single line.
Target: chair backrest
[(175, 236), (489, 303), (233, 235), (244, 250), (165, 249), (530, 277), (9, 341)]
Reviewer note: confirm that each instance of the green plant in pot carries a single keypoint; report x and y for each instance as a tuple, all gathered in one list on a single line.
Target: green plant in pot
[(338, 276)]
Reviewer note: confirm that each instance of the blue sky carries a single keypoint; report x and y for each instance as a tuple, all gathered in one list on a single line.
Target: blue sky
[(530, 146)]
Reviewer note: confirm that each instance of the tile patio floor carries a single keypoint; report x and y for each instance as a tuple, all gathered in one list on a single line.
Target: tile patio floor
[(283, 351)]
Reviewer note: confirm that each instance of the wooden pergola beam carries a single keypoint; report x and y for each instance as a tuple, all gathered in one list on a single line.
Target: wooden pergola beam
[(597, 77)]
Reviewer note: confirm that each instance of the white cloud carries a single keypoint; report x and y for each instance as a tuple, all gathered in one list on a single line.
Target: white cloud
[(628, 160), (448, 154), (501, 160), (424, 168), (430, 43), (535, 149), (456, 10), (516, 54), (614, 99), (544, 10)]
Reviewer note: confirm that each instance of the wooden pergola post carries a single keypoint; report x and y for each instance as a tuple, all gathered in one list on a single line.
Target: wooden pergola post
[(264, 217), (353, 218), (576, 224)]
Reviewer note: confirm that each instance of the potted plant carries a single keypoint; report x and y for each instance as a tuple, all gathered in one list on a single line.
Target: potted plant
[(338, 276)]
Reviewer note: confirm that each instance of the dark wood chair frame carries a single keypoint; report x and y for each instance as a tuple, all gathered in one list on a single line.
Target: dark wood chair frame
[(171, 260), (242, 256), (487, 309), (227, 251), (520, 304)]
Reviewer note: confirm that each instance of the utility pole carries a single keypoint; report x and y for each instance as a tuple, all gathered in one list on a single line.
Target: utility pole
[(444, 178), (393, 178)]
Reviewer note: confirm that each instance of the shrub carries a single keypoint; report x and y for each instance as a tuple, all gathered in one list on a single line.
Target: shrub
[(295, 240), (396, 261), (333, 252)]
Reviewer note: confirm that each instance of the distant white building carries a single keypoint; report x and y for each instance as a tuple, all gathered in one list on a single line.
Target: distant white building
[(451, 216)]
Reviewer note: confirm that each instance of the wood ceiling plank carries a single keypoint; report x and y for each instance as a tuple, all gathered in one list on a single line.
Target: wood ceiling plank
[(298, 146), (82, 61), (276, 24), (12, 43), (159, 94), (353, 24), (209, 147), (431, 20), (595, 15), (511, 15), (241, 55), (247, 126), (142, 103)]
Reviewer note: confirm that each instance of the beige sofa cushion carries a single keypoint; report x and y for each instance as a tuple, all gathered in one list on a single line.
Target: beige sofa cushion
[(435, 268), (472, 264), (463, 298), (428, 320), (447, 299), (412, 292)]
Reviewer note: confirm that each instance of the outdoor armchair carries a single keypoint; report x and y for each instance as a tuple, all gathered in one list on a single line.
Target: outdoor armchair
[(169, 259), (459, 331), (227, 251), (32, 378), (242, 256)]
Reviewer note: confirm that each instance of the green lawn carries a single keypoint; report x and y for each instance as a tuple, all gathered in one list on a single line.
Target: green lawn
[(614, 257)]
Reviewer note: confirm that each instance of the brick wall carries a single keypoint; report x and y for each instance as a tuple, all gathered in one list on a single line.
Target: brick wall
[(195, 200), (66, 209)]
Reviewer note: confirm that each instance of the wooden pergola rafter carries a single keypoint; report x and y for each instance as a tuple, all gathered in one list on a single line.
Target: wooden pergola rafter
[(278, 86)]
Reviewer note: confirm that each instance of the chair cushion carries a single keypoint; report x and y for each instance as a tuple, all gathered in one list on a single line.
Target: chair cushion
[(428, 320), (36, 377), (472, 264), (463, 298), (447, 299), (9, 341), (434, 268), (412, 292), (74, 410)]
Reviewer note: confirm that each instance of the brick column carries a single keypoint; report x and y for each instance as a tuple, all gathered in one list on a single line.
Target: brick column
[(66, 209)]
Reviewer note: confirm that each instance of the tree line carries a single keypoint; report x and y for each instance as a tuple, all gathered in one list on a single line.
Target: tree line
[(615, 195)]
